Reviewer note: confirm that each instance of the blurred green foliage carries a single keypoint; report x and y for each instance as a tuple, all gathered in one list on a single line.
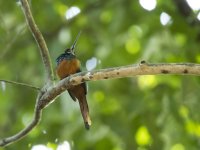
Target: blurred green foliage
[(143, 113)]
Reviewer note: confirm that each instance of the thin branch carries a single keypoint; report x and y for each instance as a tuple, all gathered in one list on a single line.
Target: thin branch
[(27, 129), (39, 39), (11, 41), (118, 72), (22, 84)]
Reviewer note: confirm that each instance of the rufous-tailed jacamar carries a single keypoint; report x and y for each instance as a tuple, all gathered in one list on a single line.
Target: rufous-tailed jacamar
[(68, 64)]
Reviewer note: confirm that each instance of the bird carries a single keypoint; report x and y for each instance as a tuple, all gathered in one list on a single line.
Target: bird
[(68, 64)]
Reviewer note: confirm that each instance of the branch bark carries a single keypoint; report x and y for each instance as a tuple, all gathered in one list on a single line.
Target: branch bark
[(39, 39), (48, 96)]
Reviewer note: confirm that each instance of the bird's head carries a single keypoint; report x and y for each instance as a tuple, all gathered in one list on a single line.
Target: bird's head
[(71, 51)]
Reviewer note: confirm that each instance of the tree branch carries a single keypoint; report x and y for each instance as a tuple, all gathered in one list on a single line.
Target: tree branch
[(186, 11), (143, 68), (39, 39), (22, 84), (118, 72)]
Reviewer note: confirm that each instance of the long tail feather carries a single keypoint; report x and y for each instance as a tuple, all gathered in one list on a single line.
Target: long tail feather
[(85, 112)]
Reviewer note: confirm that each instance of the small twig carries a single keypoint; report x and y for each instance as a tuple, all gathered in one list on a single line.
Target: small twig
[(22, 84), (39, 40), (118, 72)]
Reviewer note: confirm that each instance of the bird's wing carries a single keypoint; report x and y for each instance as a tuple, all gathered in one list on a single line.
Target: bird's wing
[(84, 85), (72, 96)]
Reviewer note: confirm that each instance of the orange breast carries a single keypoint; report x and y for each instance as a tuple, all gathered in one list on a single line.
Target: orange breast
[(67, 67)]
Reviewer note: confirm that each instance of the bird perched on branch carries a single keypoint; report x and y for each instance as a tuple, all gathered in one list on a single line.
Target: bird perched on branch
[(68, 64)]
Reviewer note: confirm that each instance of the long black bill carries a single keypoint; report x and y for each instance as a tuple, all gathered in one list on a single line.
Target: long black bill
[(74, 44)]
